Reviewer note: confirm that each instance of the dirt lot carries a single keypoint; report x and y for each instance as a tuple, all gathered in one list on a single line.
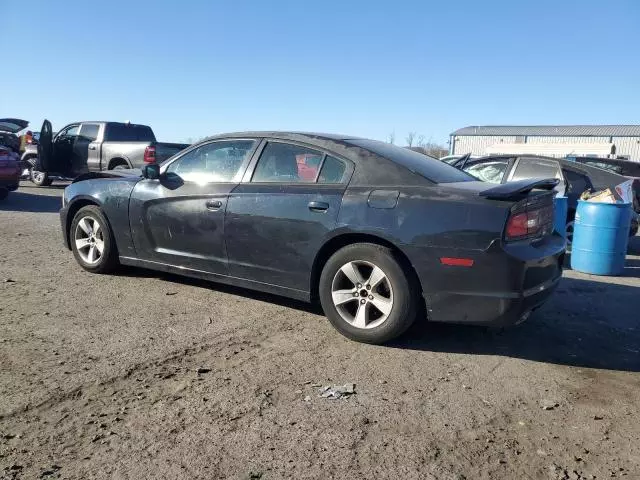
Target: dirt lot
[(145, 375)]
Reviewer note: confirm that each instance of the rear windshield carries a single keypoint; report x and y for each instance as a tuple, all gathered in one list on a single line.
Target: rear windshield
[(428, 167), (121, 132)]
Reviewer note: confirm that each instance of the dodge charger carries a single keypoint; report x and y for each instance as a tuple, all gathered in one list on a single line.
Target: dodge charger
[(377, 234)]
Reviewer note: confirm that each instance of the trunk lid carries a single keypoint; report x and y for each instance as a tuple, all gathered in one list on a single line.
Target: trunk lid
[(531, 211), (12, 125)]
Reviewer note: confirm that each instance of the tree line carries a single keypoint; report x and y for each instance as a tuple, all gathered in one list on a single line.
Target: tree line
[(419, 143)]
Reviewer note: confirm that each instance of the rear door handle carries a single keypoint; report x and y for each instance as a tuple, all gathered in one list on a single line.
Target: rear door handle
[(318, 206), (213, 205), (92, 147)]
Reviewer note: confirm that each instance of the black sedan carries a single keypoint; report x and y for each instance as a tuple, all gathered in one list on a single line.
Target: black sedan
[(378, 234)]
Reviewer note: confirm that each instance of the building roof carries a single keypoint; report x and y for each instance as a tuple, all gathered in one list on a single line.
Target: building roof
[(552, 130)]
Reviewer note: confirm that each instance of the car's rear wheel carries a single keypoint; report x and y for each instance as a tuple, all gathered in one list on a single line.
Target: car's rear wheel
[(366, 294), (92, 240), (41, 179)]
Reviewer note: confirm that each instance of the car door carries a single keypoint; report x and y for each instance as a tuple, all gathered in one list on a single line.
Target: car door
[(63, 150), (178, 219), (279, 216), (87, 147), (577, 183)]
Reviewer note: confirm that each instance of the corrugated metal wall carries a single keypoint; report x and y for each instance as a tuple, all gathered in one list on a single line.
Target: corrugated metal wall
[(476, 145), (628, 146), (561, 140)]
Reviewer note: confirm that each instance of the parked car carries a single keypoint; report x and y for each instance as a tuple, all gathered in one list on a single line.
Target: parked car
[(9, 171), (379, 235), (93, 146), (9, 158), (577, 177), (619, 166), (9, 127)]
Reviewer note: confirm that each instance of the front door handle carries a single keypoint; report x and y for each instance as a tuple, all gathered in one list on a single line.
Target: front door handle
[(92, 147), (213, 205), (318, 206)]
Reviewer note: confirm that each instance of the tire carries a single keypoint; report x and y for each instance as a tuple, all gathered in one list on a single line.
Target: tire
[(41, 179), (569, 230), (358, 317), (89, 256)]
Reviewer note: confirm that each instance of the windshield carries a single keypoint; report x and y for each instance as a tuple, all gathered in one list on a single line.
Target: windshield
[(429, 167)]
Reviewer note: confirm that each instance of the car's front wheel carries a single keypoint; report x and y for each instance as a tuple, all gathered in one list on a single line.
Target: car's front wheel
[(366, 294), (92, 240)]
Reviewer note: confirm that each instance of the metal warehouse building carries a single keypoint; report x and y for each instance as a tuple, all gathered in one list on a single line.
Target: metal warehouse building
[(619, 141)]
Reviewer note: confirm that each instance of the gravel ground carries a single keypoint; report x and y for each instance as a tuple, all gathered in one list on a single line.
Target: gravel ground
[(147, 375)]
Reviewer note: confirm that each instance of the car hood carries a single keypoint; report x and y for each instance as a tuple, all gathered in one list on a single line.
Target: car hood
[(12, 125), (133, 174)]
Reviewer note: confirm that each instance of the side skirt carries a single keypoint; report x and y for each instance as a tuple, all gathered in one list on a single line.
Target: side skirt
[(215, 277)]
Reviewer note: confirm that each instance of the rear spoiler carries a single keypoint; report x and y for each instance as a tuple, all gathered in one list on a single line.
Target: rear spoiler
[(513, 190)]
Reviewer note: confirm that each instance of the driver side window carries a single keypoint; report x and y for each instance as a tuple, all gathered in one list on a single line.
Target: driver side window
[(69, 132), (212, 162)]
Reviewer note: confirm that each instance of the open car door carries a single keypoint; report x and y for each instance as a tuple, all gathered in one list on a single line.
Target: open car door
[(45, 148)]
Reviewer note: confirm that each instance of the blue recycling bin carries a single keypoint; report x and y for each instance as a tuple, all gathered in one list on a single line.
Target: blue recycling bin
[(600, 237), (561, 208)]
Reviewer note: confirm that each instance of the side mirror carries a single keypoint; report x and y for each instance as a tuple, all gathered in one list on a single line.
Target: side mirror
[(151, 171)]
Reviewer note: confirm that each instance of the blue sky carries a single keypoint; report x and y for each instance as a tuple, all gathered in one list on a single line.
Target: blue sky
[(368, 68)]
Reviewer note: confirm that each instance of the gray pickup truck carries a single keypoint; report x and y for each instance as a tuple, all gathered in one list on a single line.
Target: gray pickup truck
[(93, 146)]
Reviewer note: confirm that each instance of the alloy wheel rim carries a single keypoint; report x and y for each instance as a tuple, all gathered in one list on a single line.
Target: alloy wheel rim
[(362, 294), (89, 240)]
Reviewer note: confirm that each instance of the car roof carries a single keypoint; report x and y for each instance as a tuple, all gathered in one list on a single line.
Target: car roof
[(309, 136)]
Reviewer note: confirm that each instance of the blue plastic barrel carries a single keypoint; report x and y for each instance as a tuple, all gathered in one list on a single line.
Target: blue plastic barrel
[(561, 208), (600, 237)]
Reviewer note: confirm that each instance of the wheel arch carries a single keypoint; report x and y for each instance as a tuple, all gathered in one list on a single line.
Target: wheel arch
[(121, 160), (73, 208), (342, 240)]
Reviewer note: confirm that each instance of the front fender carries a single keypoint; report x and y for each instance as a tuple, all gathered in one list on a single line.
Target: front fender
[(112, 196)]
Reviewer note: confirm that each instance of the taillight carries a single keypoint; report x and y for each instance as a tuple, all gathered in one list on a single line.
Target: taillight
[(150, 154), (530, 219)]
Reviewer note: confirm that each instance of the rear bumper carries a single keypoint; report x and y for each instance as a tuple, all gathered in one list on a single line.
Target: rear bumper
[(499, 309), (504, 288)]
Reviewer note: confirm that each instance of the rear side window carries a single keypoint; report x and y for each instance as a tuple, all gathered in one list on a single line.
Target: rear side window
[(536, 168), (286, 163), (332, 171), (122, 132), (423, 165), (89, 131)]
